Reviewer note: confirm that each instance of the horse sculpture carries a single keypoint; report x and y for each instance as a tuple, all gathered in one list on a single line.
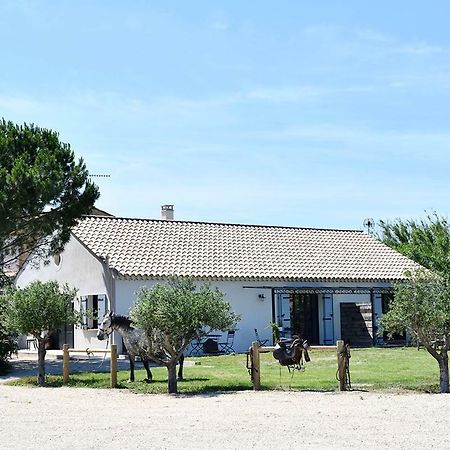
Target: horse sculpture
[(292, 357), (135, 340)]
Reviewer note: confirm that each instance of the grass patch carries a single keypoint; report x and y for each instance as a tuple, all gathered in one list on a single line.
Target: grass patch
[(370, 369)]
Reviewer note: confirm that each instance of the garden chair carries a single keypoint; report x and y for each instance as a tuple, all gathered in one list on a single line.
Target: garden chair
[(227, 346), (260, 342), (196, 347)]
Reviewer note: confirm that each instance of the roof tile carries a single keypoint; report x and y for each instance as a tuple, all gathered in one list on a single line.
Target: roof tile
[(158, 248)]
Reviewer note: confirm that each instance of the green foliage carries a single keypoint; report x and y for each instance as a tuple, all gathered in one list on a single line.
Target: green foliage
[(175, 314), (8, 345), (275, 331), (426, 242), (43, 191), (422, 305), (39, 308)]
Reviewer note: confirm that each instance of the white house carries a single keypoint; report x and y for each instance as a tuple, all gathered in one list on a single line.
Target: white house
[(320, 283)]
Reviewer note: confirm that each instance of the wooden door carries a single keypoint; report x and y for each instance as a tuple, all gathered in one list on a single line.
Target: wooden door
[(356, 324)]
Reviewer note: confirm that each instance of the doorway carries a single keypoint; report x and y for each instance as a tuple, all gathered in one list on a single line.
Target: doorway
[(356, 324), (305, 316)]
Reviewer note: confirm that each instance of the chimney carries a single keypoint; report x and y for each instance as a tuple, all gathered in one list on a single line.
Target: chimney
[(167, 212)]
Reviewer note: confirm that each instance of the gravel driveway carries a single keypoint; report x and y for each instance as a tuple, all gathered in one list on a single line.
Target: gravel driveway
[(70, 418)]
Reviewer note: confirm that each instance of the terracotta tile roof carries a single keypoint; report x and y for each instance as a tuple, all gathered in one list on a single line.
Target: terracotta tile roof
[(158, 248)]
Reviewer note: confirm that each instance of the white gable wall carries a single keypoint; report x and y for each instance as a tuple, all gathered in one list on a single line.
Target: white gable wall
[(79, 269)]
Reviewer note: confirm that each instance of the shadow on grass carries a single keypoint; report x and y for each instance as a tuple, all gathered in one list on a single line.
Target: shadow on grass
[(187, 380), (155, 387), (207, 386), (5, 368), (296, 389), (32, 382), (208, 390), (215, 391)]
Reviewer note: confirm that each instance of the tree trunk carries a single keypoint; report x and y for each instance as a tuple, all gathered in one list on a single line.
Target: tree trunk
[(172, 377), (443, 373), (41, 362)]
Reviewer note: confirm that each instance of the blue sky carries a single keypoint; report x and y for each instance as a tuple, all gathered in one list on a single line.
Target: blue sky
[(292, 113)]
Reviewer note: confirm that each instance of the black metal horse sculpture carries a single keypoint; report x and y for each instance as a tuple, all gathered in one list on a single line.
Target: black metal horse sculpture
[(135, 340), (292, 356)]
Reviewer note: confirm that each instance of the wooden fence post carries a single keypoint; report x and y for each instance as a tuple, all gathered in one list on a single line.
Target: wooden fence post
[(113, 365), (256, 366), (66, 362), (341, 364)]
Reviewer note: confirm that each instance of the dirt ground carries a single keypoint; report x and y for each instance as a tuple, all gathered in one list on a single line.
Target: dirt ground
[(69, 418)]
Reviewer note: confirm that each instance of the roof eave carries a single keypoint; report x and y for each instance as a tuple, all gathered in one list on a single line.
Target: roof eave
[(218, 278)]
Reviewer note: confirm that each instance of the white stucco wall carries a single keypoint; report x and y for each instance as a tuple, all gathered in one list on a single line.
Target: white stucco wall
[(255, 313), (79, 269)]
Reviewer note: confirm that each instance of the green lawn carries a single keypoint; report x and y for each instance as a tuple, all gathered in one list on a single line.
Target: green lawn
[(370, 369)]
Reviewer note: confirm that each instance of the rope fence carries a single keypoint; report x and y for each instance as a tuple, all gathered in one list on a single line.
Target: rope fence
[(343, 356), (66, 361)]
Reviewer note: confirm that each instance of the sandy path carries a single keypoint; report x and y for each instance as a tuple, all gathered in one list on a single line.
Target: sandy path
[(86, 418)]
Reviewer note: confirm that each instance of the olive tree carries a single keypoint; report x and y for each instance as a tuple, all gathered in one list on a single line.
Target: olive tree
[(8, 344), (421, 304), (425, 241), (39, 309), (43, 191), (174, 314)]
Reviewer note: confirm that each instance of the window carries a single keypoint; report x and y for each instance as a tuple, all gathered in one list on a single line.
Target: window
[(92, 309), (57, 259)]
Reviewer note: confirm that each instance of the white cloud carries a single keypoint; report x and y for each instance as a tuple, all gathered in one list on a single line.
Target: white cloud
[(358, 143), (219, 21), (368, 41), (220, 24), (285, 94), (19, 103), (419, 49)]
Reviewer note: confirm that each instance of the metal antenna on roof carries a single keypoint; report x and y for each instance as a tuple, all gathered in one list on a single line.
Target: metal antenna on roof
[(99, 176), (369, 223)]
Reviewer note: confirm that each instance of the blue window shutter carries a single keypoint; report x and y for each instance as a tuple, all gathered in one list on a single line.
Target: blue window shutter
[(328, 325), (102, 307), (83, 310)]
